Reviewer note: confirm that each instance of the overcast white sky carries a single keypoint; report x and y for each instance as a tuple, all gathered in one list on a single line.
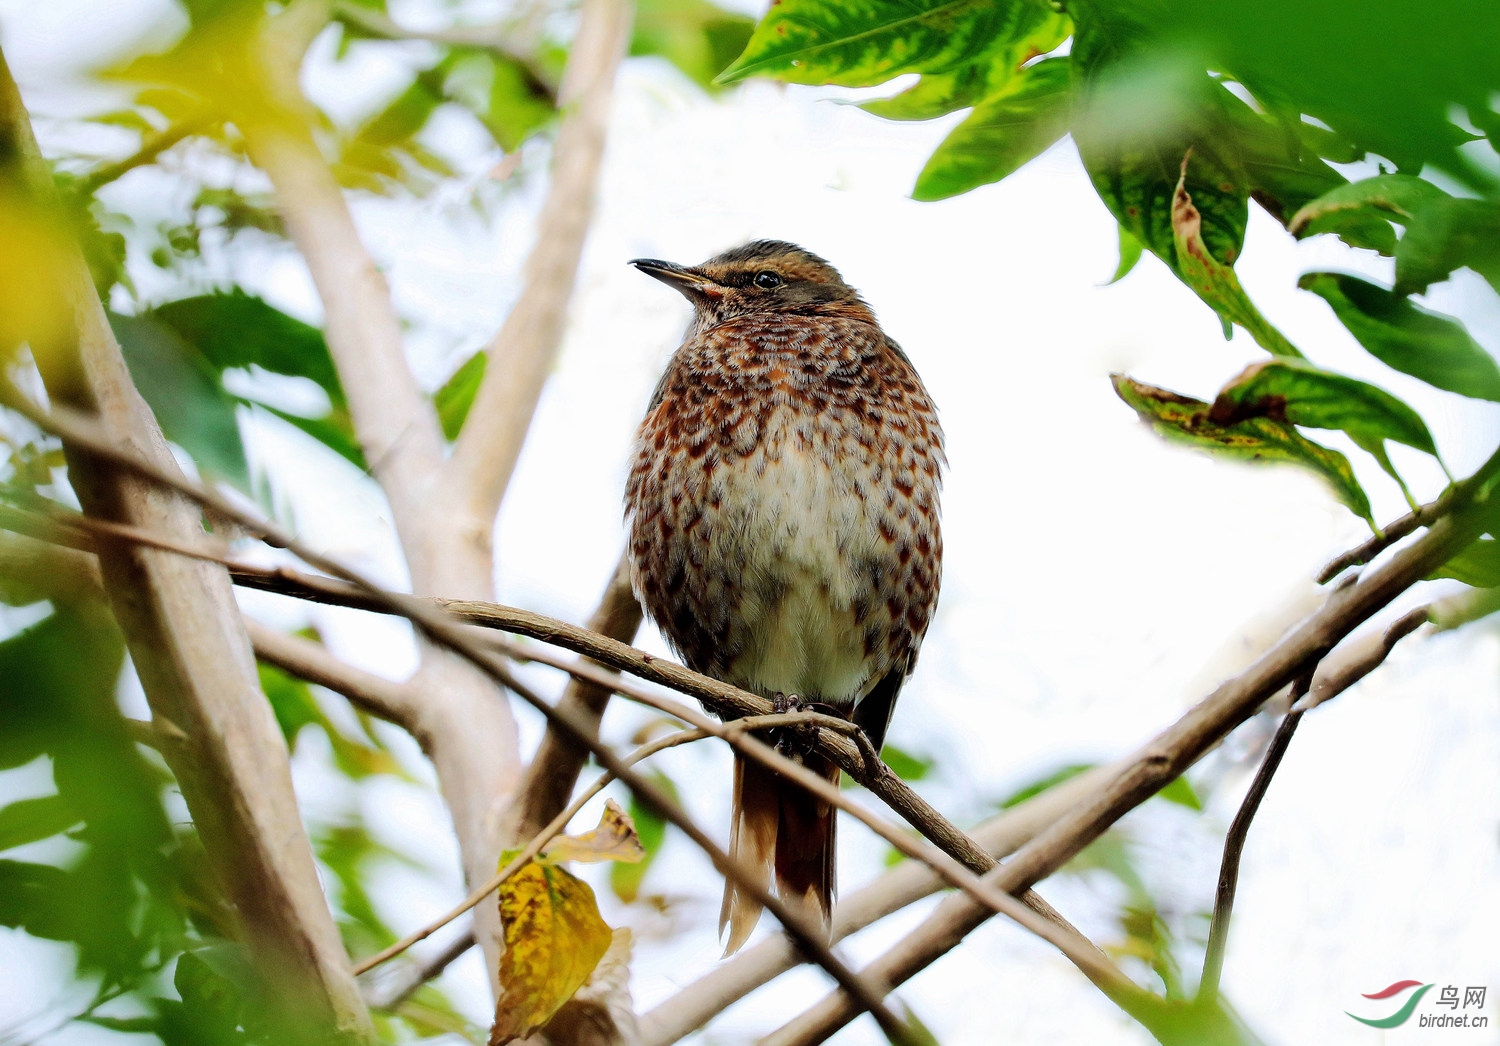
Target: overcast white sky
[(1096, 580)]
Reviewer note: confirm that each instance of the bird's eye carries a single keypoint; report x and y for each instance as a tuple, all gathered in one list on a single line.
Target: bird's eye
[(767, 280)]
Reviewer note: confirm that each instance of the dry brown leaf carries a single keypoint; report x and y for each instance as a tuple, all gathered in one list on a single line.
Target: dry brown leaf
[(614, 840)]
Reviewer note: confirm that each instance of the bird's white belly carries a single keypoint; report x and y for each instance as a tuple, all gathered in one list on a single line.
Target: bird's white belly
[(803, 535)]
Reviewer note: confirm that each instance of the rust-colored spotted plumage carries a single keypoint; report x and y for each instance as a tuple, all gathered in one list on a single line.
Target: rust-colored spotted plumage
[(783, 513)]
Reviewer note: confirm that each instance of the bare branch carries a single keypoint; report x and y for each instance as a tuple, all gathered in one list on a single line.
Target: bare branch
[(185, 637), (554, 769), (1390, 534), (1234, 846), (428, 970), (394, 702), (1168, 754), (1355, 659), (522, 353)]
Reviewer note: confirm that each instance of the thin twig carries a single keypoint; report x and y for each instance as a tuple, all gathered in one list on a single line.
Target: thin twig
[(152, 146), (1234, 846), (537, 844), (428, 970), (1391, 533)]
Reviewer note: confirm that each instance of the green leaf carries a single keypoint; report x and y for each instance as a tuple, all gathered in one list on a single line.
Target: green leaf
[(27, 820), (907, 765), (1470, 605), (456, 396), (1426, 345), (1041, 784), (295, 707), (185, 395), (1361, 212), (1005, 130), (1298, 392), (860, 43), (1187, 421), (1447, 234), (1130, 254), (1139, 115), (1037, 30), (1180, 791), (1216, 282), (698, 37), (240, 330), (625, 877), (1477, 565)]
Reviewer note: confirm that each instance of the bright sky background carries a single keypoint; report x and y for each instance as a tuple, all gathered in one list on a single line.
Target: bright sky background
[(1096, 581)]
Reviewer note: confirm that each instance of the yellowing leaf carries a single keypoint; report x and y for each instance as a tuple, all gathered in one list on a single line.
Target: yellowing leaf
[(554, 938), (1214, 281), (614, 840)]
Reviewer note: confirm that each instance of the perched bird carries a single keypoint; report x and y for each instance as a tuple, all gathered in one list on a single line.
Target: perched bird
[(783, 514)]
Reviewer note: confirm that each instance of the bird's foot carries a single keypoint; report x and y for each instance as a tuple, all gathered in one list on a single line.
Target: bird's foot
[(798, 739)]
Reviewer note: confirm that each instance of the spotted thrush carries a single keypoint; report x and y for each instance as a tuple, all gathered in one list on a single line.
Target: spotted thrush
[(783, 513)]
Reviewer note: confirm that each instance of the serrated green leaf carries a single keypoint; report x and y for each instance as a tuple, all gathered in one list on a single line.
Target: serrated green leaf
[(1037, 30), (1006, 130), (1130, 254), (1361, 212), (185, 395), (1446, 234), (1297, 392), (1215, 281), (1403, 336), (456, 396), (698, 37), (861, 43), (1187, 421)]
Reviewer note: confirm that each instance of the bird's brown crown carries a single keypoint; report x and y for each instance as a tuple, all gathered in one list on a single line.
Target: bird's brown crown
[(762, 276)]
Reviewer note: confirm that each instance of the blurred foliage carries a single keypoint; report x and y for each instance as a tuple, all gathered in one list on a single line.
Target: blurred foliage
[(1183, 113), (102, 861)]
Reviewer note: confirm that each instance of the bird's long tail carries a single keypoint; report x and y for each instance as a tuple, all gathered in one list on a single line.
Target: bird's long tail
[(781, 828)]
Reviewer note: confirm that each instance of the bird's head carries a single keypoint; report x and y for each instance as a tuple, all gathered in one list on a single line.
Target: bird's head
[(763, 276)]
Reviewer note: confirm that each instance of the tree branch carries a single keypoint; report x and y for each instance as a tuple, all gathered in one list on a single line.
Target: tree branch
[(523, 352), (394, 702), (1168, 754), (184, 635), (554, 769)]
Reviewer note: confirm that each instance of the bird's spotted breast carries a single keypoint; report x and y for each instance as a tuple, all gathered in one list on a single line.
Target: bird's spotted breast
[(783, 505)]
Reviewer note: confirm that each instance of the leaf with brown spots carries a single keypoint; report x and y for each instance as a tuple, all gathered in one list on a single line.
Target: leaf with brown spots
[(1214, 281), (554, 938), (1185, 420), (1295, 391)]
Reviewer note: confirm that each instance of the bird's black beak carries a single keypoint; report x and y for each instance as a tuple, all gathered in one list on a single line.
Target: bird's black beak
[(693, 284)]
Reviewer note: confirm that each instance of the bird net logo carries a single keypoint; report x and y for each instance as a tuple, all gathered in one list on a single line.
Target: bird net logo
[(1454, 1007)]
